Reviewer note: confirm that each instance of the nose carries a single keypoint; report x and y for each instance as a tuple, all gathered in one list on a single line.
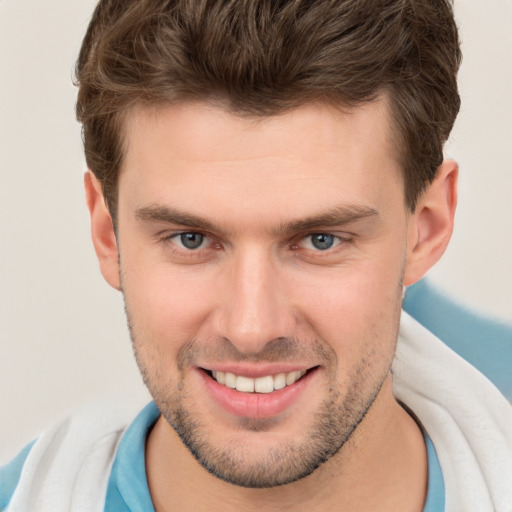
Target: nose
[(253, 308)]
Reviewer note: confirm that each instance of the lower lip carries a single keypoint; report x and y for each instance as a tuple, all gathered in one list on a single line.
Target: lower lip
[(256, 405)]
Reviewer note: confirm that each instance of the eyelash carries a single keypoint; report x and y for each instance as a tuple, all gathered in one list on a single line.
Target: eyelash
[(183, 252), (339, 240)]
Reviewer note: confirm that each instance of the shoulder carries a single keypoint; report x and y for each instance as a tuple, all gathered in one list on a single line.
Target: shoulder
[(10, 475), (76, 454), (484, 342), (467, 417)]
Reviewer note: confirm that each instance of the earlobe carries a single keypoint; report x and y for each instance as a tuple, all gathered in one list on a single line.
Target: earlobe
[(102, 231), (431, 225)]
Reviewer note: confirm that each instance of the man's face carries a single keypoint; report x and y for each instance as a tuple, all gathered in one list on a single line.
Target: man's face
[(264, 254)]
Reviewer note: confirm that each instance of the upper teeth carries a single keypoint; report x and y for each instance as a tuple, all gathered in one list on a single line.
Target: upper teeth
[(265, 384)]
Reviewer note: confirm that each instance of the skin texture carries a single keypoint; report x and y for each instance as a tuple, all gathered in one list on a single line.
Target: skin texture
[(257, 295)]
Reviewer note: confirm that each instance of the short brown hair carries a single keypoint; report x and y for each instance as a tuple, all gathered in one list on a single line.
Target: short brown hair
[(264, 57)]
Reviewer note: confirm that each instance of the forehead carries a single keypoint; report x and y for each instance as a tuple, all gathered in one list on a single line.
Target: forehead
[(209, 126), (195, 153)]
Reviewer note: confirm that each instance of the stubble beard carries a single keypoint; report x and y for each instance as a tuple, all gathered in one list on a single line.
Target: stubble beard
[(335, 420)]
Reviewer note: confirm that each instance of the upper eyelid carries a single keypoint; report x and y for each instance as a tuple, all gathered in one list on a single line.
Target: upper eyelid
[(334, 235), (340, 236), (170, 238), (189, 232), (340, 240), (166, 235), (206, 236), (298, 236)]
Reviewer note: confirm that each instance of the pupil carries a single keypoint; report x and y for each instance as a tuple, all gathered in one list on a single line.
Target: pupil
[(191, 240), (321, 241)]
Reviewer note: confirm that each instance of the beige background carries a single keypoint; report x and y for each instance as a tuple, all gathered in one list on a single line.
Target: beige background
[(63, 339)]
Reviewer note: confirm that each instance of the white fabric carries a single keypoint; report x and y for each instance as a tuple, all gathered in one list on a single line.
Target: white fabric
[(467, 418), (68, 468)]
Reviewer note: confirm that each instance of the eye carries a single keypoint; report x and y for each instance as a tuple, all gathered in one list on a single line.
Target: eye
[(190, 240), (320, 241)]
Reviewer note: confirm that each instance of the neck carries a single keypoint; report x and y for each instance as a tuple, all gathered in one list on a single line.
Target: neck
[(382, 467)]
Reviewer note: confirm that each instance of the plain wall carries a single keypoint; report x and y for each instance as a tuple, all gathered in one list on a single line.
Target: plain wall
[(63, 339)]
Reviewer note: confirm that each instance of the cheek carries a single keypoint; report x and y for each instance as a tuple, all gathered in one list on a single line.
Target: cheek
[(355, 310), (168, 304)]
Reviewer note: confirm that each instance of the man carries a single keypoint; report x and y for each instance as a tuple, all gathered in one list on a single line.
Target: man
[(265, 179)]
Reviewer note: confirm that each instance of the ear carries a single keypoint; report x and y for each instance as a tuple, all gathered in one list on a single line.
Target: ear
[(102, 231), (431, 224)]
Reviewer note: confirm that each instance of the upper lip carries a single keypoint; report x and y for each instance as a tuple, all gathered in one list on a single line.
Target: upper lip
[(254, 371)]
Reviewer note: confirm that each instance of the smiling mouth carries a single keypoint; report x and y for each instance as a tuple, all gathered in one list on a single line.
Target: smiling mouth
[(266, 384)]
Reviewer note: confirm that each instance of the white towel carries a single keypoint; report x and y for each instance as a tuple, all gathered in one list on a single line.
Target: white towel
[(68, 468), (467, 418)]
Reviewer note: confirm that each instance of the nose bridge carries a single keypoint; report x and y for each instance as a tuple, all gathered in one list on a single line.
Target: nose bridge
[(253, 311)]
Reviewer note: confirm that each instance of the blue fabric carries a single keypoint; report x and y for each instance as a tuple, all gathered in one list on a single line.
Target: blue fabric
[(128, 489), (435, 489), (10, 475), (483, 342)]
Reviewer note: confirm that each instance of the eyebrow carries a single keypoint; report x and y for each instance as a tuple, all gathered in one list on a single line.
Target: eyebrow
[(337, 216), (156, 213)]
